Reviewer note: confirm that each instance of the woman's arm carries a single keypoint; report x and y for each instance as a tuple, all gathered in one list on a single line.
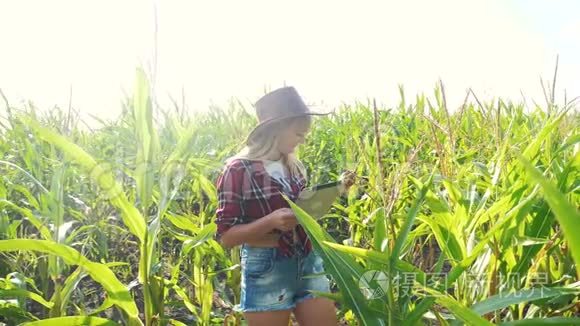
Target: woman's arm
[(242, 233), (258, 233)]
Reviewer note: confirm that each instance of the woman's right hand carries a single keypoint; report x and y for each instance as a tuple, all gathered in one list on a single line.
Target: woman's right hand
[(283, 219)]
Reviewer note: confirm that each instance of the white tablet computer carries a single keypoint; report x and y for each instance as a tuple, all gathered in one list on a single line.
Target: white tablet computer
[(317, 200)]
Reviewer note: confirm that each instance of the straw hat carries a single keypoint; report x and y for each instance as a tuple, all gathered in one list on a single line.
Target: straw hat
[(280, 104)]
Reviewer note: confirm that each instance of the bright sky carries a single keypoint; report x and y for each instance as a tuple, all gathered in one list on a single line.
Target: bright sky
[(331, 51)]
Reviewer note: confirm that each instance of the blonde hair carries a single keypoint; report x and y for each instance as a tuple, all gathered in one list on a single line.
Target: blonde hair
[(265, 143)]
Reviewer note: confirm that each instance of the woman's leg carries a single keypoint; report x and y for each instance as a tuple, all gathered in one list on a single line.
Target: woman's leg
[(268, 318), (310, 310), (316, 312)]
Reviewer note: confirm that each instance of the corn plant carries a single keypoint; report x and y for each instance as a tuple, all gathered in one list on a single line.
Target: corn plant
[(460, 216)]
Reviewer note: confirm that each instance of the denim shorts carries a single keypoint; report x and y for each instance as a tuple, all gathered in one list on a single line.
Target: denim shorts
[(271, 282)]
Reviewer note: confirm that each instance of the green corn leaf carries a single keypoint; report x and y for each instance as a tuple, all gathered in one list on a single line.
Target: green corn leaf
[(553, 321), (501, 301), (147, 141), (72, 320), (467, 315), (409, 220), (565, 212), (380, 258), (102, 176), (20, 293), (117, 292)]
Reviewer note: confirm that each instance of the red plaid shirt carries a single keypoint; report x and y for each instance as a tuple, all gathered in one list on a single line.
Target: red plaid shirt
[(246, 192)]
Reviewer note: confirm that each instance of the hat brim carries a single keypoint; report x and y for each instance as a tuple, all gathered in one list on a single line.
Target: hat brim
[(264, 124)]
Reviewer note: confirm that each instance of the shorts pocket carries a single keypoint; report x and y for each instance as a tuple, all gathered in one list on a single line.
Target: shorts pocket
[(314, 264), (318, 265), (257, 262)]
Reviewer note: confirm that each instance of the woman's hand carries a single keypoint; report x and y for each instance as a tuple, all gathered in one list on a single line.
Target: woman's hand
[(283, 219), (347, 179)]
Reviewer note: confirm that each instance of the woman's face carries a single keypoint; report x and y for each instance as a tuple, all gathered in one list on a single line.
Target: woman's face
[(293, 135)]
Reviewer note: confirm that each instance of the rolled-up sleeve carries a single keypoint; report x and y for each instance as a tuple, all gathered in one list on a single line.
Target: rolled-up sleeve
[(230, 207)]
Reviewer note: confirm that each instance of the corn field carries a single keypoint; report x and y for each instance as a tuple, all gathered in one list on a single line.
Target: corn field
[(465, 216)]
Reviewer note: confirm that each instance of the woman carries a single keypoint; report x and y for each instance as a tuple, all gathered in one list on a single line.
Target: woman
[(276, 252)]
